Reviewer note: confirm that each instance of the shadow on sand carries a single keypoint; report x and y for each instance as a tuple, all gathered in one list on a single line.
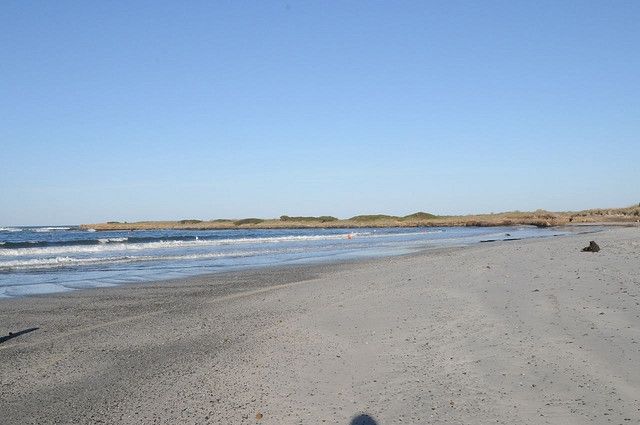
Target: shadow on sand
[(363, 420), (16, 334)]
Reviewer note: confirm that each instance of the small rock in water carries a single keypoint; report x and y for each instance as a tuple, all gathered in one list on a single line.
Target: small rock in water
[(593, 247), (258, 416)]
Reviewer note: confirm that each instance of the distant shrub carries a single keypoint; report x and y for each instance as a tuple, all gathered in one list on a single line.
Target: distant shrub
[(113, 222), (374, 217), (420, 216), (325, 218), (190, 221), (248, 221), (321, 219)]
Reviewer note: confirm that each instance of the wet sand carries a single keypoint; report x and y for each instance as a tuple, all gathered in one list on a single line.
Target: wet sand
[(519, 332)]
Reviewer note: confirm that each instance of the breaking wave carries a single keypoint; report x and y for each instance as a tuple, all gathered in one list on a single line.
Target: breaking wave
[(53, 262), (138, 244)]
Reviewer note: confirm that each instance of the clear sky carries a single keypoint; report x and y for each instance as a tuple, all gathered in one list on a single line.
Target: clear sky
[(126, 110)]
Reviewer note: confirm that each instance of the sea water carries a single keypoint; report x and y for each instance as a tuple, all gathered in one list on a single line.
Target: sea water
[(49, 259)]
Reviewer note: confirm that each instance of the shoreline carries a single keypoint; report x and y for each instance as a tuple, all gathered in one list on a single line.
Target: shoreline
[(297, 268), (528, 331), (63, 277)]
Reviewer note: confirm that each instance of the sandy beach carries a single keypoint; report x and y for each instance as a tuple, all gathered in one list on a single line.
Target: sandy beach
[(519, 332)]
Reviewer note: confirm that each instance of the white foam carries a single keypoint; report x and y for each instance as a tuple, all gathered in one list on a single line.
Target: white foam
[(47, 262), (107, 240), (125, 247), (56, 262), (10, 229), (48, 229), (114, 246)]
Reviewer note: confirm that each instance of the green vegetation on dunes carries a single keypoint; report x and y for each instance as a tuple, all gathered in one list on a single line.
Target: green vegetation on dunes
[(540, 218), (420, 216), (373, 217), (248, 221), (322, 218)]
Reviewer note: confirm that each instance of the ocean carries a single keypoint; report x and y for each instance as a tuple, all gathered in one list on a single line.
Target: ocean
[(51, 259)]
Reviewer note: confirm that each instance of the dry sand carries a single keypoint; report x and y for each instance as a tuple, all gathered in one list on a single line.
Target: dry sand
[(523, 332)]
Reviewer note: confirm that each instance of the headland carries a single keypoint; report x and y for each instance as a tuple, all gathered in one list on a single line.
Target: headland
[(540, 218)]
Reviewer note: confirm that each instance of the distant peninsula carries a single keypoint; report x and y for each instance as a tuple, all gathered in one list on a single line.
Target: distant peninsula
[(539, 218)]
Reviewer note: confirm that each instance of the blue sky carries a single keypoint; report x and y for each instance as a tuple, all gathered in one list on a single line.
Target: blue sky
[(171, 110)]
